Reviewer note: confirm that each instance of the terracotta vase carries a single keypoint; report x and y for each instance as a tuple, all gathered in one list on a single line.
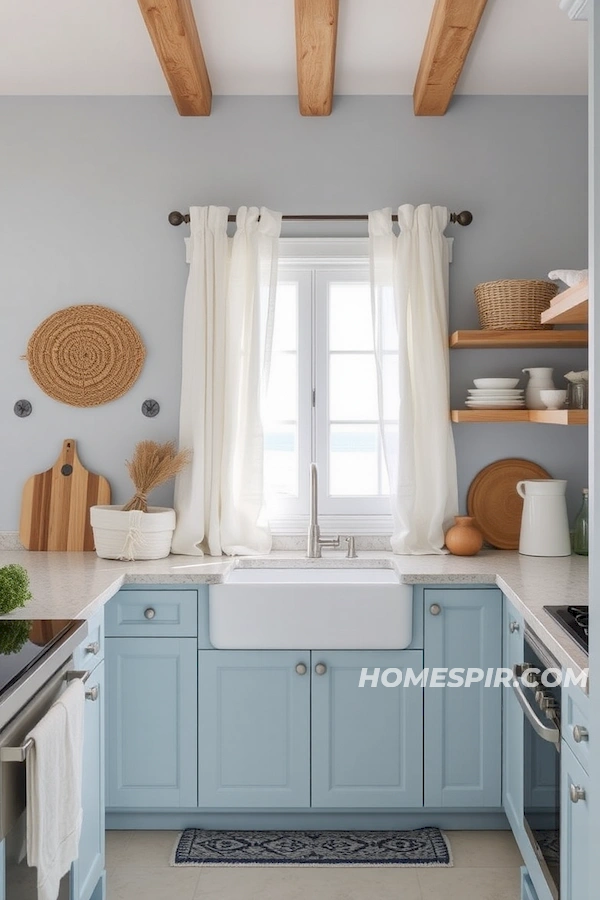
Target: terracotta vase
[(464, 538)]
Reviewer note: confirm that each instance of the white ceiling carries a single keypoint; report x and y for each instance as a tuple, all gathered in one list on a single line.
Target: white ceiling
[(92, 47)]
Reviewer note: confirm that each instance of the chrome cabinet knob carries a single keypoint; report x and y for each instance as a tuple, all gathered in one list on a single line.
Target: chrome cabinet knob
[(514, 626), (580, 733), (320, 668), (93, 648), (301, 669), (435, 609), (149, 613), (576, 793), (92, 693)]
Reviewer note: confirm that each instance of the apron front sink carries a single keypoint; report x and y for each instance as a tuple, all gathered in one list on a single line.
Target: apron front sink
[(308, 608)]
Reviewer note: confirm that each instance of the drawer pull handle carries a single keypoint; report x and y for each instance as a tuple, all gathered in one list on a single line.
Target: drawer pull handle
[(320, 668), (435, 609), (514, 626), (92, 693), (93, 648), (576, 793), (580, 733), (301, 669), (149, 613)]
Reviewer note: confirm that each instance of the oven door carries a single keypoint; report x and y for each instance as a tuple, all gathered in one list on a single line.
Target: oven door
[(539, 696), (20, 879)]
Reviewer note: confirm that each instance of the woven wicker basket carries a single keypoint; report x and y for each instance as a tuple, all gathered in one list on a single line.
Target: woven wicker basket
[(513, 303)]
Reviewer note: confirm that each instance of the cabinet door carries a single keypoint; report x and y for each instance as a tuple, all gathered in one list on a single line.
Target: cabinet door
[(151, 722), (367, 742), (512, 714), (254, 728), (574, 826), (463, 725), (89, 865)]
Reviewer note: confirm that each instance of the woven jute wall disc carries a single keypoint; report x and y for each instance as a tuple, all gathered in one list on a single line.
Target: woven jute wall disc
[(85, 355)]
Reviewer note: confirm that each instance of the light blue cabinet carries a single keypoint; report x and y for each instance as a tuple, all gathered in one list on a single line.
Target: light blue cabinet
[(151, 722), (463, 628), (88, 868), (527, 888), (367, 742), (575, 828), (254, 728), (512, 719)]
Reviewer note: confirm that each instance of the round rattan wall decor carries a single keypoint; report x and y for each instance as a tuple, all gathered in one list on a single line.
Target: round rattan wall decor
[(85, 355)]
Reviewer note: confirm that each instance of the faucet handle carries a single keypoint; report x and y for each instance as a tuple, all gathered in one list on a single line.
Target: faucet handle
[(351, 554)]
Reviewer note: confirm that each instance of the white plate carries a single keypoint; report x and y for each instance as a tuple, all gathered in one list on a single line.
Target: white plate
[(495, 404), (495, 397), (477, 392), (496, 383)]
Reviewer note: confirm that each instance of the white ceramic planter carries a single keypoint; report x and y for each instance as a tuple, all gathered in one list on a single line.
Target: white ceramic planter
[(132, 534)]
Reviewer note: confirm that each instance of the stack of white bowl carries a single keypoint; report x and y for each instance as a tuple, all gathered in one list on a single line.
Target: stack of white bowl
[(495, 393)]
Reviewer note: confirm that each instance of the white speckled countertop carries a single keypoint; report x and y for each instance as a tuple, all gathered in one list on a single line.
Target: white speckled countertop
[(76, 585)]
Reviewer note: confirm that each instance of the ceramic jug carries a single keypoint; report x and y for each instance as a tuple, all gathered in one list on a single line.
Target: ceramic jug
[(540, 379), (544, 523)]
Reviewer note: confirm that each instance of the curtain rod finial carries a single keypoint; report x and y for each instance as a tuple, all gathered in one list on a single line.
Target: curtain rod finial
[(177, 218), (462, 218)]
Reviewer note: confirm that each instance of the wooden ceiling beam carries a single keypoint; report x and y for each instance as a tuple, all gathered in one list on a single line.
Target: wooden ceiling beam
[(316, 35), (173, 32), (451, 31)]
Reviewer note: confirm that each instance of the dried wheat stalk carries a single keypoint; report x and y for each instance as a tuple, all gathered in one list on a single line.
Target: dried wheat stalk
[(151, 465)]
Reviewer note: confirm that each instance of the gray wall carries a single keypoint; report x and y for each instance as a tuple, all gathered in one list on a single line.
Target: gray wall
[(86, 185)]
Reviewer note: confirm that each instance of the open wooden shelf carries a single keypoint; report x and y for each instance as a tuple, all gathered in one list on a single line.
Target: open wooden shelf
[(490, 415), (539, 416), (559, 416), (569, 307), (477, 340)]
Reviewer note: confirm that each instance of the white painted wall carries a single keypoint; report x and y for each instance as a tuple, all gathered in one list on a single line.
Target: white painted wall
[(86, 185)]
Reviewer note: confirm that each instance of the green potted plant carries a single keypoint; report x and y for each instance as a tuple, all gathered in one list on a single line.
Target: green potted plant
[(14, 588)]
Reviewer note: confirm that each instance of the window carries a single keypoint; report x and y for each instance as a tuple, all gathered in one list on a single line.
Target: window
[(322, 402)]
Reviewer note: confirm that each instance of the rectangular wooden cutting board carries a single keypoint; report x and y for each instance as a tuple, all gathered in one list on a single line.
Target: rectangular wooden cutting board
[(55, 507)]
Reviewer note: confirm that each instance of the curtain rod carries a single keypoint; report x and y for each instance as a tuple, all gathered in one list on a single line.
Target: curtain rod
[(461, 218)]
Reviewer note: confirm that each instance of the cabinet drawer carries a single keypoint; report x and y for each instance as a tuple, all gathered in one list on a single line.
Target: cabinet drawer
[(91, 651), (152, 614), (575, 723)]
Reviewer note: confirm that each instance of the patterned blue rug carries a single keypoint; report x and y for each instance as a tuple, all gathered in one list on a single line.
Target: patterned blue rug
[(421, 847)]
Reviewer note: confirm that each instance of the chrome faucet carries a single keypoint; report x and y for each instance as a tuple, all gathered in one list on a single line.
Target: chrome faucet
[(315, 541)]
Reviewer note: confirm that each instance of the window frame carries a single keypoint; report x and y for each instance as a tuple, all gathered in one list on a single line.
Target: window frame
[(318, 259)]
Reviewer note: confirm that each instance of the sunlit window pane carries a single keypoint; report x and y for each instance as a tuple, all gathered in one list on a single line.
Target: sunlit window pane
[(387, 325), (391, 396), (285, 331), (282, 393), (281, 461), (353, 460), (350, 322), (352, 387)]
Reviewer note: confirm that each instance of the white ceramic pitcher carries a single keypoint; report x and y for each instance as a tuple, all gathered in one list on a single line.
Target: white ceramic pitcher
[(540, 379), (544, 524)]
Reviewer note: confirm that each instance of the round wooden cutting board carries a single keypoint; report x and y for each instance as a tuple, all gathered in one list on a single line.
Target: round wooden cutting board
[(495, 504)]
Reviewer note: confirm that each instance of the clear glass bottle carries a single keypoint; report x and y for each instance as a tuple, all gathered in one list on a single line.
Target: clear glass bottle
[(581, 527)]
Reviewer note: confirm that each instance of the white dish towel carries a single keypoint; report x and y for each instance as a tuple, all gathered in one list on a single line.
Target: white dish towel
[(54, 775)]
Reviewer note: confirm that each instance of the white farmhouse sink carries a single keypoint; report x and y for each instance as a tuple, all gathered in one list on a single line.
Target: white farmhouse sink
[(310, 609)]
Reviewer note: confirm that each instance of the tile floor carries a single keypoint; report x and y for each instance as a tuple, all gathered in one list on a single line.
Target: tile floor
[(486, 867)]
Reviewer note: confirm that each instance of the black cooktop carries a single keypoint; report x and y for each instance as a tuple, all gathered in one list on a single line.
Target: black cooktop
[(573, 620), (23, 642)]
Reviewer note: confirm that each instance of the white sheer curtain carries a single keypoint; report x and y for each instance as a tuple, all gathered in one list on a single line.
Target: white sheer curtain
[(409, 279), (226, 347)]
